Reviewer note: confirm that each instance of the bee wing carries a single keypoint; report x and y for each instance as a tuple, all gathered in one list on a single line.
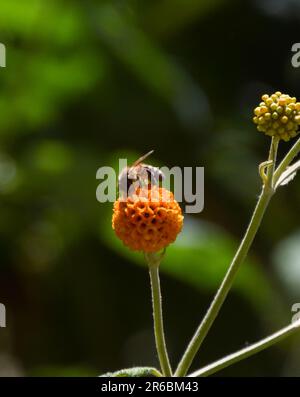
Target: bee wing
[(138, 161)]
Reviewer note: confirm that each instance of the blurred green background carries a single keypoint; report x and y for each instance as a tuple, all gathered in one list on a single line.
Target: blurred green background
[(88, 82)]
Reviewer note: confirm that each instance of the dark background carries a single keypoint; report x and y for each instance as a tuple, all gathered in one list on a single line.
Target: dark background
[(89, 82)]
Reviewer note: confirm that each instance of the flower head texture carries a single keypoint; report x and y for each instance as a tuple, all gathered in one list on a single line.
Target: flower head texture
[(149, 220), (278, 115)]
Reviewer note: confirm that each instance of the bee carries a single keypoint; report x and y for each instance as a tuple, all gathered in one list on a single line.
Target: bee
[(139, 174)]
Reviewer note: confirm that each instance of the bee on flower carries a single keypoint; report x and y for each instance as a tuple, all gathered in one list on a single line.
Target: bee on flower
[(146, 217)]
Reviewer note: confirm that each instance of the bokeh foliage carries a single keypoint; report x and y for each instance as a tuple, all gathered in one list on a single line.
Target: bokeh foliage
[(89, 82)]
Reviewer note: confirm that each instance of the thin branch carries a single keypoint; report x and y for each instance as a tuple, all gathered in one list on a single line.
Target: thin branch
[(248, 351)]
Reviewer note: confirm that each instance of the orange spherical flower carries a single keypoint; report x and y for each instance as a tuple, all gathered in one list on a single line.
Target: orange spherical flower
[(149, 220)]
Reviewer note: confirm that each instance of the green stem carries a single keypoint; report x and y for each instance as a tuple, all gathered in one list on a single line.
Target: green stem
[(204, 327), (287, 160), (248, 351), (272, 157), (157, 316)]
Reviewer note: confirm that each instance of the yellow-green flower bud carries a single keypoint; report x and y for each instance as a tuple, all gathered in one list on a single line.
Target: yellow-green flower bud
[(278, 115)]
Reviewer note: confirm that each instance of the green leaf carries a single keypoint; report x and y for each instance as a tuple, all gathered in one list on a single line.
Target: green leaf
[(288, 175), (134, 372)]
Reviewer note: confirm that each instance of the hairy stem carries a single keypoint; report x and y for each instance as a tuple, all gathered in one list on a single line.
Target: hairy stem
[(204, 327), (157, 315), (248, 351)]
